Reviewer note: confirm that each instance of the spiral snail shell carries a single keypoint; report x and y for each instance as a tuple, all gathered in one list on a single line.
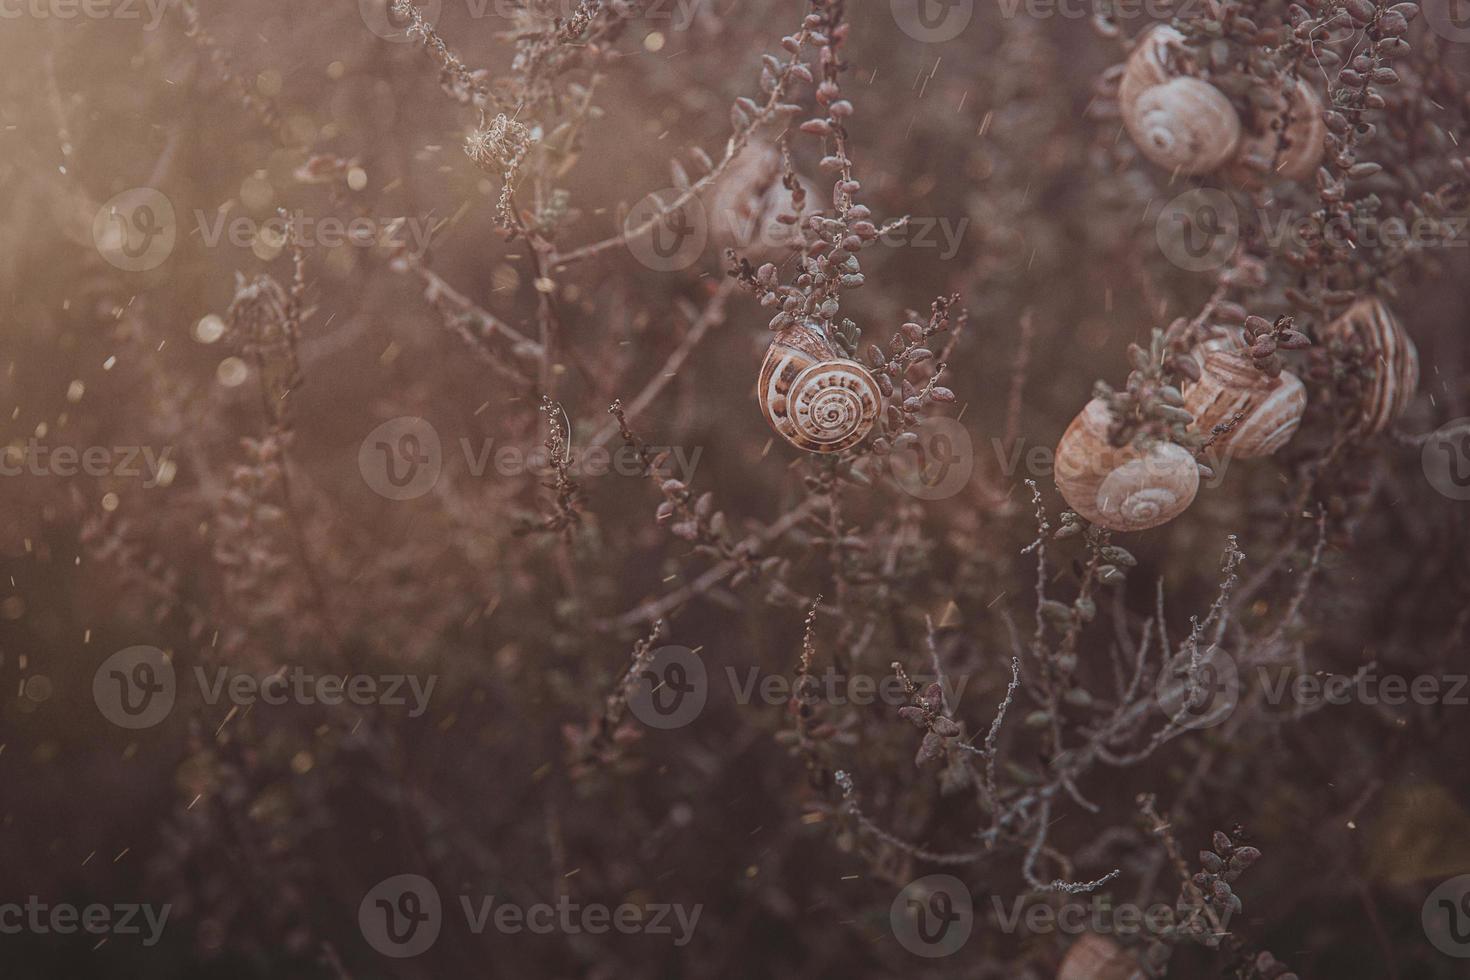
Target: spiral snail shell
[(1124, 488), (1290, 142), (1230, 384), (1189, 126), (1185, 125), (1094, 957), (816, 398), (1370, 324), (1181, 123)]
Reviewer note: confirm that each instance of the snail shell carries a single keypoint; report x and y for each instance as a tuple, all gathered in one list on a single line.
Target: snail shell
[(1290, 143), (1179, 122), (1392, 354), (1124, 488), (745, 203), (1094, 957), (1229, 383), (1148, 62), (1305, 141), (816, 398), (1185, 125)]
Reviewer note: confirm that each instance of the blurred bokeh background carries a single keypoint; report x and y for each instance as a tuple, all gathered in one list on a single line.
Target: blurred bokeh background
[(232, 520)]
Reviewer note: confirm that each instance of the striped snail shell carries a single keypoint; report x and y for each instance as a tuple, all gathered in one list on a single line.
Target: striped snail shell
[(744, 206), (1179, 122), (1289, 141), (1124, 488), (1390, 352), (1305, 140), (815, 397), (1094, 957), (1229, 384)]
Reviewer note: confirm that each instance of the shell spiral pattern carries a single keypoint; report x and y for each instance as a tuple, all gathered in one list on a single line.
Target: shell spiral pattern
[(1370, 324), (1181, 123), (1123, 488), (1187, 125), (1129, 497), (1229, 384), (816, 399)]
